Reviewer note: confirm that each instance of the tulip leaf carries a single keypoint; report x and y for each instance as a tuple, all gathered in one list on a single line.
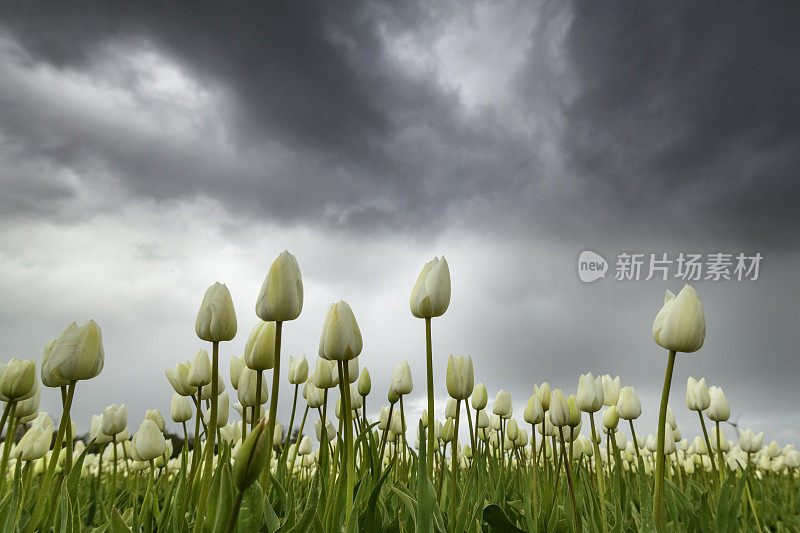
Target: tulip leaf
[(117, 524), (310, 510), (496, 518), (251, 514)]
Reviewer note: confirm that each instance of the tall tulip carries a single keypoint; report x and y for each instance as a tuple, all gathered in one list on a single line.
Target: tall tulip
[(341, 341), (216, 322), (680, 326), (430, 298)]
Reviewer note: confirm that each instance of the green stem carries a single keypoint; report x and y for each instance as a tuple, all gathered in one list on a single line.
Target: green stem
[(598, 468), (429, 360), (211, 435), (635, 445), (259, 377), (291, 418), (41, 498), (659, 507), (10, 434), (273, 404), (721, 459), (297, 442), (708, 443), (569, 481), (454, 465), (348, 442)]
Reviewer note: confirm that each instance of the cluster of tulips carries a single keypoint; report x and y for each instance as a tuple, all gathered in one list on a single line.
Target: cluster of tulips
[(362, 474)]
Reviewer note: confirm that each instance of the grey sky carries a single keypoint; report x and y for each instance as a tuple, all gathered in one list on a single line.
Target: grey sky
[(145, 154)]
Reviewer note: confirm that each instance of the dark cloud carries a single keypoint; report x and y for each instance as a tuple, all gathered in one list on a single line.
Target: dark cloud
[(690, 113)]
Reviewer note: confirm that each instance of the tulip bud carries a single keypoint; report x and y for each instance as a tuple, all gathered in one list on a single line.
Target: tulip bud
[(697, 397), (200, 371), (205, 390), (216, 320), (544, 395), (460, 377), (155, 416), (181, 408), (48, 379), (559, 409), (259, 352), (330, 432), (298, 370), (750, 442), (574, 413), (247, 388), (719, 410), (305, 447), (364, 383), (17, 380), (590, 393), (512, 430), (480, 397), (610, 418), (341, 338), (76, 355), (680, 325), (115, 419), (482, 419), (450, 408), (314, 396), (29, 407), (430, 296), (281, 296), (502, 404), (401, 380), (723, 444), (179, 378), (237, 363), (96, 431), (34, 444), (223, 411), (149, 441), (323, 374), (251, 457), (448, 430), (610, 390), (628, 407), (533, 411)]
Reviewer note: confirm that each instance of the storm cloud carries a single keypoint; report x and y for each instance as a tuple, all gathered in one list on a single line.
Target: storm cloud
[(149, 150)]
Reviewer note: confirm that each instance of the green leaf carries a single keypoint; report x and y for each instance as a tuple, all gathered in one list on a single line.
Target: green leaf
[(117, 524), (225, 498), (251, 514), (310, 510), (496, 518)]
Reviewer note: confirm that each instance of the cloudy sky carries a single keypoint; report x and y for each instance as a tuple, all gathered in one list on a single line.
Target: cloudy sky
[(146, 153)]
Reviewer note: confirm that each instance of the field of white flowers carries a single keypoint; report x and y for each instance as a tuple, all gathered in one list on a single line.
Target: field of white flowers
[(347, 472)]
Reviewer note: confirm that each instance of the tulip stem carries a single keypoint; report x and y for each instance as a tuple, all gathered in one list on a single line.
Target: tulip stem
[(291, 418), (431, 436), (598, 467), (708, 444), (569, 480), (244, 422), (534, 473), (635, 444), (114, 475), (659, 508), (5, 416), (297, 442), (41, 498), (273, 403), (454, 465), (69, 437), (259, 377), (385, 431), (211, 434), (348, 441), (719, 454), (10, 434)]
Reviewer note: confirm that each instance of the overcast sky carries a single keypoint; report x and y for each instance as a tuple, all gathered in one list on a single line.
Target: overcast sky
[(148, 150)]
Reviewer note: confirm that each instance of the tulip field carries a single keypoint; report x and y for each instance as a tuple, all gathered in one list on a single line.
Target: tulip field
[(349, 457)]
